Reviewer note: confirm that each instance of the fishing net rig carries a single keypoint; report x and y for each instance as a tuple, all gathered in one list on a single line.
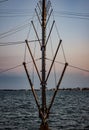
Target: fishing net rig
[(43, 12), (44, 33)]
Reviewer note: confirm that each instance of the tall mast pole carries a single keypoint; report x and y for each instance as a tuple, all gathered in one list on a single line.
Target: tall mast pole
[(43, 110), (43, 49)]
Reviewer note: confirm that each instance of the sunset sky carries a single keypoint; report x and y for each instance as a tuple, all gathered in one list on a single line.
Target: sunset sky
[(72, 21)]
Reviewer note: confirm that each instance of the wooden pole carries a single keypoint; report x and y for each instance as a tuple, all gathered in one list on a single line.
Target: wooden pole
[(44, 125), (43, 49)]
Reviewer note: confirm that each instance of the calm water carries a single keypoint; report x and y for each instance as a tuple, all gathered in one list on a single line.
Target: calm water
[(69, 112)]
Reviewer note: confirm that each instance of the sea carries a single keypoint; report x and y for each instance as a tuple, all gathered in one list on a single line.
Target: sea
[(18, 110)]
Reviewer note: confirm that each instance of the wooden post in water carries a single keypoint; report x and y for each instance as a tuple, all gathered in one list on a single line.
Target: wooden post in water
[(43, 49), (44, 125), (43, 109)]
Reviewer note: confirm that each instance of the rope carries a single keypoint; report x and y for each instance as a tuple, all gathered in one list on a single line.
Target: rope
[(72, 66), (61, 44), (30, 26), (54, 63), (12, 43), (9, 33), (17, 66), (60, 38), (63, 53), (25, 53), (72, 15), (29, 31), (33, 65), (82, 69)]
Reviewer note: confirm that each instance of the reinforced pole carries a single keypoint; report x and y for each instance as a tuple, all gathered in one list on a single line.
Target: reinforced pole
[(33, 59), (43, 49)]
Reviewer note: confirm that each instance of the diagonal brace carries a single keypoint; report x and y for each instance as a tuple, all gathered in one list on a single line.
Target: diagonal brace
[(33, 91), (48, 5), (36, 33), (38, 16), (50, 32), (53, 60), (33, 60), (39, 7), (49, 16), (57, 87)]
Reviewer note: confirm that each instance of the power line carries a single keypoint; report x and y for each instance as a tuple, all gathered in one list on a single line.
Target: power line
[(72, 17), (27, 12), (13, 31), (16, 27), (18, 15), (12, 43), (15, 11), (15, 43), (72, 13)]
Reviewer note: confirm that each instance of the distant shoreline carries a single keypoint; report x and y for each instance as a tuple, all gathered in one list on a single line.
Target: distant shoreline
[(52, 89), (80, 89)]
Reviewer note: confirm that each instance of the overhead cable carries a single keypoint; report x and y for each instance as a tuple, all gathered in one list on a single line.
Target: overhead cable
[(15, 43), (60, 38), (27, 12), (73, 17), (16, 27), (13, 32), (72, 13)]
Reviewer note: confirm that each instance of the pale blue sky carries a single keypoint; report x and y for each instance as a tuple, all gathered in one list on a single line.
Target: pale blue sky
[(74, 33)]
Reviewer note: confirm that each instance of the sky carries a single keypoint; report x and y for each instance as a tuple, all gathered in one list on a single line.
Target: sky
[(72, 23)]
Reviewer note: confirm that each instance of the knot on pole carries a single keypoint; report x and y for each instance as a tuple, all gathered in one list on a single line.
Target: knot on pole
[(66, 64), (42, 47), (43, 83)]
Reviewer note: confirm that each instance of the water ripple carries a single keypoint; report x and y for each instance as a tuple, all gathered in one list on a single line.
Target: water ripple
[(70, 110)]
